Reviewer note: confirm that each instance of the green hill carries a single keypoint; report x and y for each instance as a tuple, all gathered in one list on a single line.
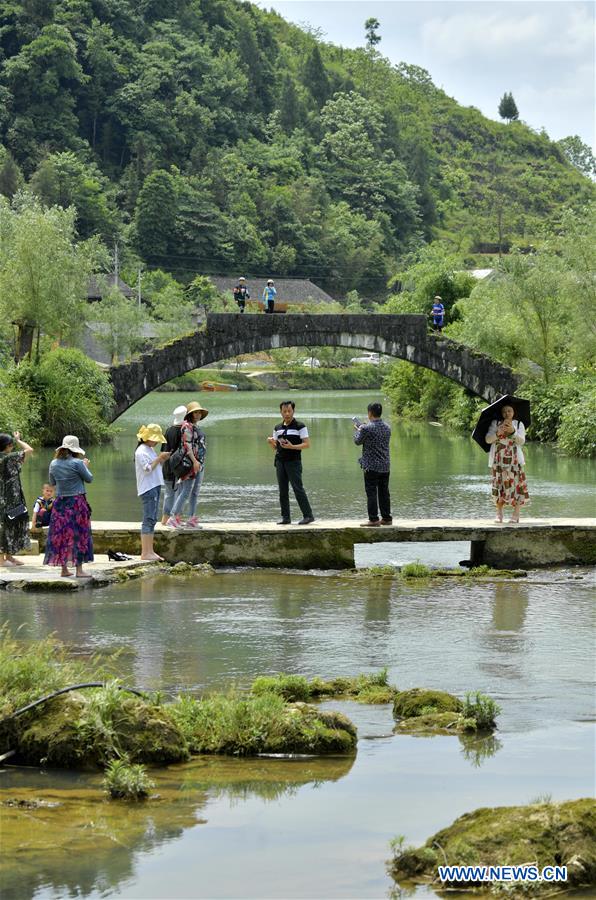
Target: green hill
[(211, 136)]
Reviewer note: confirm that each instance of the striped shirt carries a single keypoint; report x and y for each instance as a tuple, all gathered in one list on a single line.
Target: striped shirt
[(295, 432)]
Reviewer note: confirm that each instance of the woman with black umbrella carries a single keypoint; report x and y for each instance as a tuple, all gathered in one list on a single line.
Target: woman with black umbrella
[(506, 437)]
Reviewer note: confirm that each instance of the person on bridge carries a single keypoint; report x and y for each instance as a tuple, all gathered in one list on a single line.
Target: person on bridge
[(506, 460), (241, 294), (289, 439), (189, 474), (148, 467), (172, 444), (438, 314), (269, 295), (374, 438)]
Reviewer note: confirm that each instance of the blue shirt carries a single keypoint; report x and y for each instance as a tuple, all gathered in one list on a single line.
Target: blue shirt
[(68, 476), (269, 293), (438, 313)]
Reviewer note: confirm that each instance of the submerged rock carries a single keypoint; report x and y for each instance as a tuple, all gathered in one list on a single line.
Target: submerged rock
[(422, 711), (544, 834), (421, 701)]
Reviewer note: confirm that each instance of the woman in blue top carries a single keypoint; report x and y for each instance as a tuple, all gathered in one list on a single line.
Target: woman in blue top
[(269, 295), (69, 541)]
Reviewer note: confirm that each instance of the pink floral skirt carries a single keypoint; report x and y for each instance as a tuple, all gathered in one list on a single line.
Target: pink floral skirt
[(69, 541)]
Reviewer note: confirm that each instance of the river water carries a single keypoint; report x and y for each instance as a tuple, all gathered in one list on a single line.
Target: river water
[(316, 828)]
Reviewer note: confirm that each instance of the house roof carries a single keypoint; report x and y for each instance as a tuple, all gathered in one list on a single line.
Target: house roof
[(97, 285), (289, 290)]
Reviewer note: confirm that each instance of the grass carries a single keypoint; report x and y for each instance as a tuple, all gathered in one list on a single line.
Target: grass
[(415, 570), (364, 688), (482, 709), (126, 781)]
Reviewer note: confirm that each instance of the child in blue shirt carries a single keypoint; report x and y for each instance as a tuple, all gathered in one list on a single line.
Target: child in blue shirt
[(438, 314), (269, 295), (42, 510)]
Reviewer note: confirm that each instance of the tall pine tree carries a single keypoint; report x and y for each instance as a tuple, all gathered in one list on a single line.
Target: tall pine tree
[(508, 107), (315, 77)]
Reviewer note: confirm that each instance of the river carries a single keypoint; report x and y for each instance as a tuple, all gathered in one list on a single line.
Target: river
[(227, 828)]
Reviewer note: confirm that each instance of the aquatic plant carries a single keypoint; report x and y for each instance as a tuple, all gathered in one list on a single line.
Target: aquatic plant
[(372, 687), (482, 709), (126, 781), (415, 570)]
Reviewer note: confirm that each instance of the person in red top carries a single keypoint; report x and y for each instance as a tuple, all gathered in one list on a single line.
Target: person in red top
[(188, 484)]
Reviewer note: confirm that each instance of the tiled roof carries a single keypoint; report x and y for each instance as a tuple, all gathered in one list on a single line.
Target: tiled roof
[(96, 286)]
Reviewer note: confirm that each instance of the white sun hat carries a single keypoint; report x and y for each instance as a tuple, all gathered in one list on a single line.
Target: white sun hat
[(71, 443)]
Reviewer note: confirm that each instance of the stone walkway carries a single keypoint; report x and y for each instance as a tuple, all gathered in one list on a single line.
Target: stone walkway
[(35, 576)]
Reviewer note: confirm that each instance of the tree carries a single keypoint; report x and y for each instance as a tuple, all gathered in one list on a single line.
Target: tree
[(11, 178), (119, 324), (579, 154), (288, 105), (508, 107), (44, 271), (155, 216), (315, 77), (371, 28)]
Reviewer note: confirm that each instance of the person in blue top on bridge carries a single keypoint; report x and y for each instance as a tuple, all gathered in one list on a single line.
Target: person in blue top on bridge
[(438, 314), (269, 295)]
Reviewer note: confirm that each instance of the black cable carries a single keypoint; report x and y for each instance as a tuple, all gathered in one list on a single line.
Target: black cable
[(73, 687)]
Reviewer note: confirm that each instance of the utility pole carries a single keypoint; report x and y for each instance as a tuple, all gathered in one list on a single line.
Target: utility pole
[(139, 287), (116, 265)]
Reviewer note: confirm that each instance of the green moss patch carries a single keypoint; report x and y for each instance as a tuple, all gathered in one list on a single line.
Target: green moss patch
[(420, 701), (545, 834), (364, 688)]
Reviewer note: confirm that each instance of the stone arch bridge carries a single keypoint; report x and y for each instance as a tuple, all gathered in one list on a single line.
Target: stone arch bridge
[(230, 334)]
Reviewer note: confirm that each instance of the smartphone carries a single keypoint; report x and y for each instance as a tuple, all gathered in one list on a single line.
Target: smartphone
[(356, 421)]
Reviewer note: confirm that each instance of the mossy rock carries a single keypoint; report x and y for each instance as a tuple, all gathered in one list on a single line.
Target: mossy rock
[(265, 723), (547, 834), (290, 687), (420, 701), (72, 732), (184, 568), (436, 723)]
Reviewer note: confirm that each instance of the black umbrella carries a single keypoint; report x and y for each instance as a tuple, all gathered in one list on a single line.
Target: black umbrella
[(489, 413)]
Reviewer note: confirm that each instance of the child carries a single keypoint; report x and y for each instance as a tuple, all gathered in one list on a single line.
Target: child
[(42, 509), (148, 466)]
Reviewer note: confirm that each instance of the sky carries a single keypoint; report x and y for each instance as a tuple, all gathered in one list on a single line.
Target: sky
[(543, 52)]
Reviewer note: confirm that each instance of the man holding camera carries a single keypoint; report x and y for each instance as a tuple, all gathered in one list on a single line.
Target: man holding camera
[(289, 439), (374, 438)]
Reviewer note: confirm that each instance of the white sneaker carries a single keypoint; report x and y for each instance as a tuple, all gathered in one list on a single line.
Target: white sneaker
[(193, 522)]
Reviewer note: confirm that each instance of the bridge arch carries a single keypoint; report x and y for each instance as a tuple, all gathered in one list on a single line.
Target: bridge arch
[(231, 334)]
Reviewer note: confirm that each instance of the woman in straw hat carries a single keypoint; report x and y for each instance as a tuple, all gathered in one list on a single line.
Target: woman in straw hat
[(172, 443), (188, 482), (69, 541), (148, 465)]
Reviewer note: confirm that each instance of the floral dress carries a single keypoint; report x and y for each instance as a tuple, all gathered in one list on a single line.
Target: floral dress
[(509, 485), (14, 536)]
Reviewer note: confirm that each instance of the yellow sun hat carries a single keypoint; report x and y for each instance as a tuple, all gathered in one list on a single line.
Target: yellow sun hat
[(151, 432)]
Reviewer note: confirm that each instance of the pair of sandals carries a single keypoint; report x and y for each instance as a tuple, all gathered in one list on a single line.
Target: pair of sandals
[(514, 520), (118, 556)]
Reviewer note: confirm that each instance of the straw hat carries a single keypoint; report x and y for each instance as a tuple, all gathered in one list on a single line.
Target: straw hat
[(196, 407), (151, 432), (178, 415), (71, 443)]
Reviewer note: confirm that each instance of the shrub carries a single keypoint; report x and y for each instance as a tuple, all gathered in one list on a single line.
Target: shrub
[(482, 709), (577, 431), (126, 781), (19, 410)]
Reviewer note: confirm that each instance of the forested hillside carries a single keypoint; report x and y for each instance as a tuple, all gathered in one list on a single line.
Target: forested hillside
[(208, 135)]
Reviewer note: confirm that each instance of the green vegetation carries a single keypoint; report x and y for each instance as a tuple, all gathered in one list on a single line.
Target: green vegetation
[(264, 723), (423, 711), (536, 314), (482, 709), (364, 688), (92, 727), (415, 570), (126, 781), (547, 834), (65, 393), (360, 377)]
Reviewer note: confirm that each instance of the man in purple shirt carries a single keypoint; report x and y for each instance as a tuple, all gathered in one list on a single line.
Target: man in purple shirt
[(374, 438)]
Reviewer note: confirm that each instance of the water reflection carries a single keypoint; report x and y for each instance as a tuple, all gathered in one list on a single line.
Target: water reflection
[(476, 749), (82, 844)]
